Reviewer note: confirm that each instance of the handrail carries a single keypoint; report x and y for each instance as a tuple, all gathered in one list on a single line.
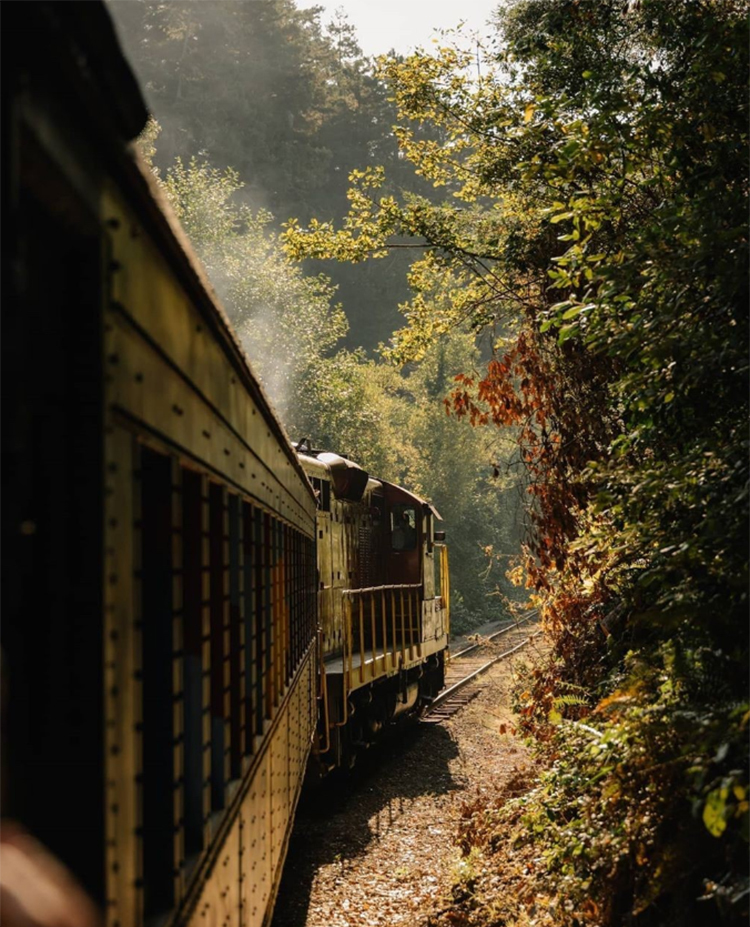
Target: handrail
[(445, 589), (324, 688), (368, 589), (345, 674), (401, 635)]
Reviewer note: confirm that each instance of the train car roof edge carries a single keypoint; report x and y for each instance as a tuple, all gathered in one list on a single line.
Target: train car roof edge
[(172, 229), (83, 40)]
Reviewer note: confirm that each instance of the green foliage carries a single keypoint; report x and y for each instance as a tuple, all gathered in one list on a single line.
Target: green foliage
[(595, 213), (392, 423), (287, 101), (285, 319), (451, 464), (609, 816)]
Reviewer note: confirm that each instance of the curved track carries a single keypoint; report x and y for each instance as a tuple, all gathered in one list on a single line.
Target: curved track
[(467, 665)]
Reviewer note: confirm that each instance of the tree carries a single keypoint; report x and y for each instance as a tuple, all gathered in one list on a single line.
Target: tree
[(286, 320), (288, 103), (392, 424), (596, 203)]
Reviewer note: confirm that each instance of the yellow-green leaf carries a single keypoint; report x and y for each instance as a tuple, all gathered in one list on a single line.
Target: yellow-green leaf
[(714, 811)]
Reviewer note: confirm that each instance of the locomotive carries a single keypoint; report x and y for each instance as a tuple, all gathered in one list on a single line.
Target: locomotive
[(192, 607), (383, 603)]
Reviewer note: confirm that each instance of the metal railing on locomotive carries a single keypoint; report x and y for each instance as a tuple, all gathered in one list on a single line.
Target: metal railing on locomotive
[(383, 627), (445, 584)]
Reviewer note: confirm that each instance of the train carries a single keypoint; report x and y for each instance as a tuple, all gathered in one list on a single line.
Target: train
[(198, 615), (383, 604)]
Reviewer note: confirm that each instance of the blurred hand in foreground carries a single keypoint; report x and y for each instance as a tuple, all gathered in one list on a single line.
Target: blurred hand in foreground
[(36, 890)]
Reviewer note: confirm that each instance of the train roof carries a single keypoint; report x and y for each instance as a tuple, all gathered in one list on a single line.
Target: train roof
[(76, 43), (320, 462)]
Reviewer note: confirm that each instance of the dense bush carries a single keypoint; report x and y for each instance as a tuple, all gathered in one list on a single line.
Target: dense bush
[(596, 222)]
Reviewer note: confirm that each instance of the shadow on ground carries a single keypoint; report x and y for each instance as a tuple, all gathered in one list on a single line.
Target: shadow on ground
[(338, 819)]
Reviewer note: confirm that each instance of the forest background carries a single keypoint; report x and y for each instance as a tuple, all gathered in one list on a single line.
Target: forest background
[(568, 203), (260, 113)]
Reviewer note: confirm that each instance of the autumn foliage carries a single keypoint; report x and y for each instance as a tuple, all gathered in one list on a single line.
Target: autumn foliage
[(595, 224)]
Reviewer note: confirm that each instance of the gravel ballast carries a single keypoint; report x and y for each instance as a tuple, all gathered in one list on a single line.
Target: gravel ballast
[(378, 847)]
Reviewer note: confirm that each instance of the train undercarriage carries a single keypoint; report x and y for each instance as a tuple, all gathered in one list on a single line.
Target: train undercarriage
[(371, 710)]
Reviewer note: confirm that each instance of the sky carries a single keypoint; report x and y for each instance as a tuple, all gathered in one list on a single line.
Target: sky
[(404, 24)]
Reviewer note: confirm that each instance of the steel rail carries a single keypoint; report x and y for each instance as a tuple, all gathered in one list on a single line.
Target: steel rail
[(490, 637), (446, 694)]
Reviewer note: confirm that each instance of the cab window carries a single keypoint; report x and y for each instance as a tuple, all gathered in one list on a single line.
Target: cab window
[(323, 493), (403, 527)]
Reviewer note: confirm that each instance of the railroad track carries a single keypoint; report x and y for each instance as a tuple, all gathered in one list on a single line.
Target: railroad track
[(467, 666)]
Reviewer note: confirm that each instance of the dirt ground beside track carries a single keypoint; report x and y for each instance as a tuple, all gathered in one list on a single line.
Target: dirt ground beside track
[(380, 849)]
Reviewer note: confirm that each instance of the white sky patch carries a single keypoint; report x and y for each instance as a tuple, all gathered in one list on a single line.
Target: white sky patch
[(403, 25)]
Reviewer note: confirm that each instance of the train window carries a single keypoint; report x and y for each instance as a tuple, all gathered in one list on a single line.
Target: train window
[(323, 492), (260, 595), (403, 527), (293, 602), (276, 642), (266, 615), (290, 604), (325, 495), (193, 667), (157, 659), (235, 640), (218, 622), (282, 611), (251, 644)]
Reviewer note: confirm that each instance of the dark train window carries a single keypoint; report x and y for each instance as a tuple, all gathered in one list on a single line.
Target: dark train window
[(299, 597), (280, 616), (254, 651), (193, 667), (263, 615), (403, 527), (218, 620), (235, 640), (157, 635), (252, 694), (323, 492), (286, 534), (295, 600)]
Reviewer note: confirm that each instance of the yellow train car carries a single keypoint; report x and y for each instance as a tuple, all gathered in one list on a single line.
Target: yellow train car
[(383, 601), (159, 586)]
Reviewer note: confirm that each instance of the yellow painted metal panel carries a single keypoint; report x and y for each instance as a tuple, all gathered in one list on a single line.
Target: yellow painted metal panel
[(256, 861), (122, 696), (153, 303), (280, 786), (247, 870), (170, 383), (146, 389)]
